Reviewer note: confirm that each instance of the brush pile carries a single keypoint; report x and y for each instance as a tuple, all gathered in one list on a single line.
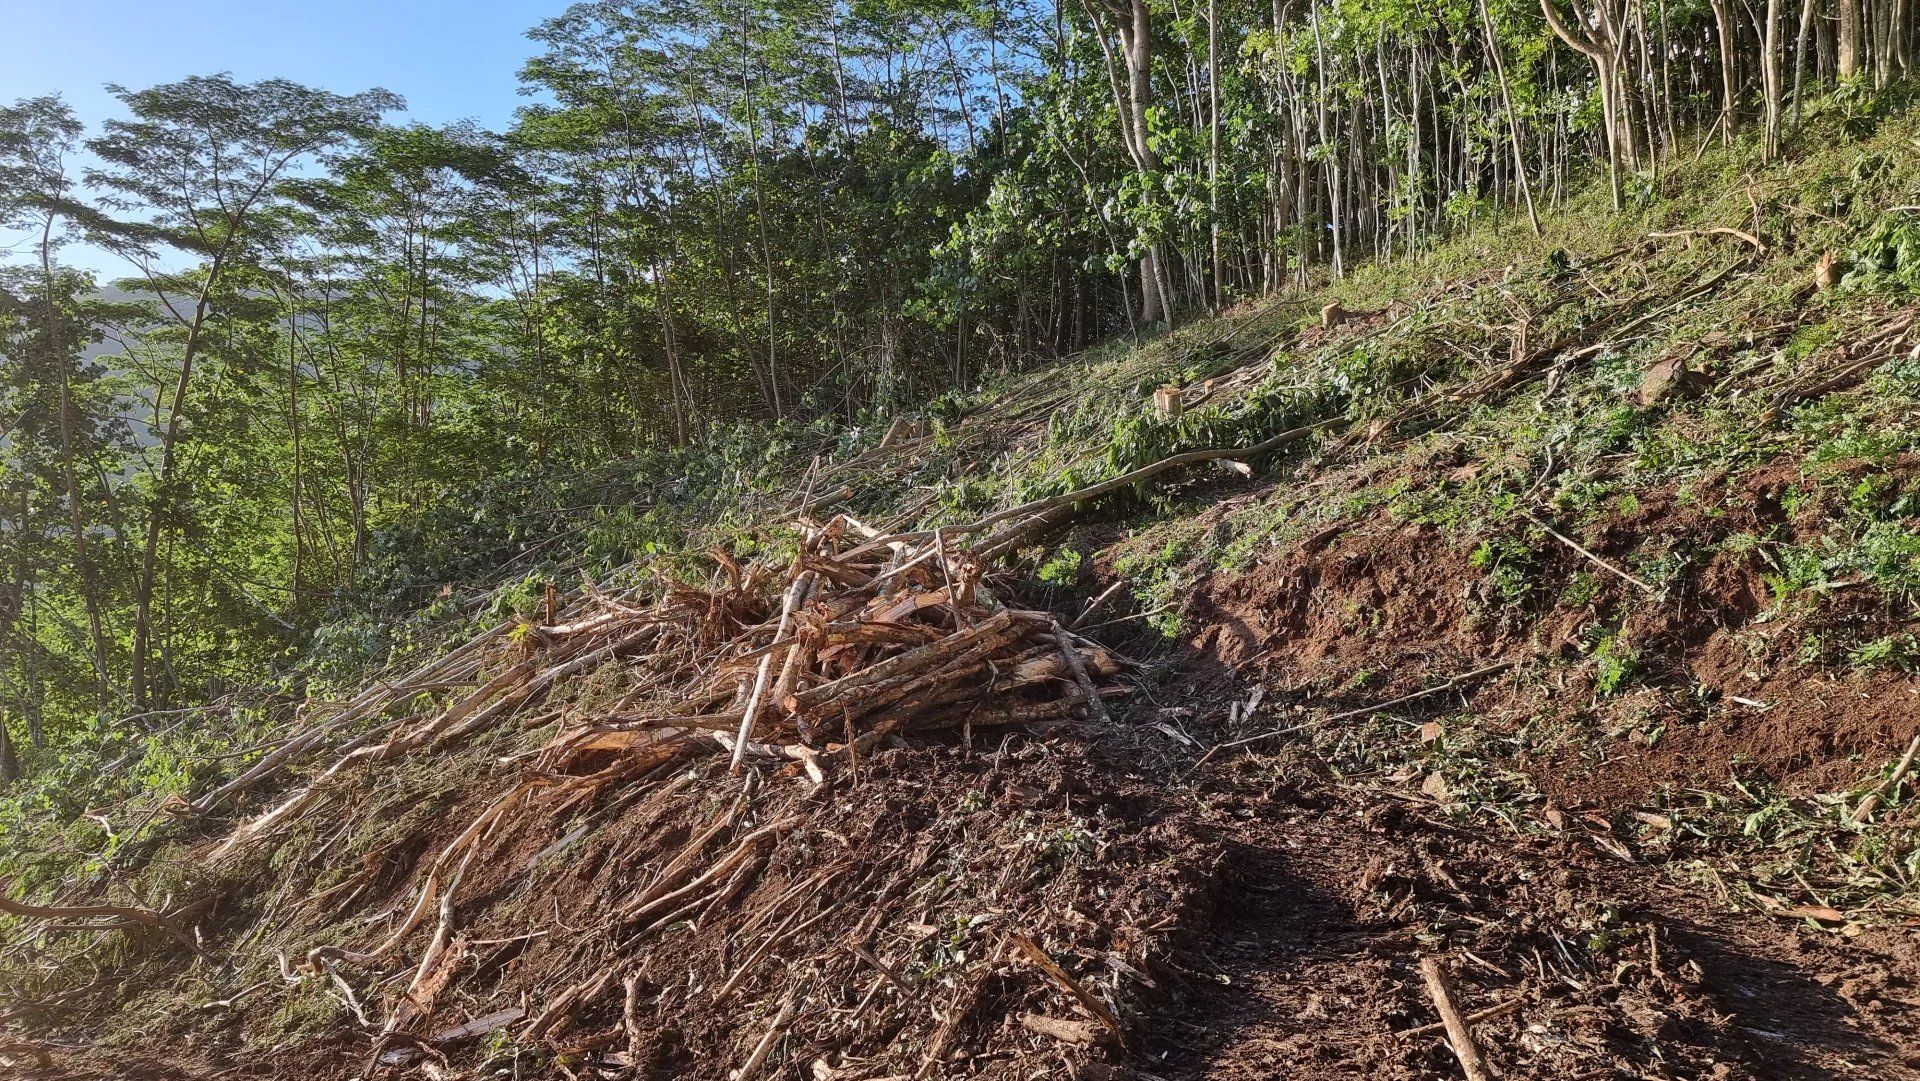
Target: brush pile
[(885, 638), (671, 708)]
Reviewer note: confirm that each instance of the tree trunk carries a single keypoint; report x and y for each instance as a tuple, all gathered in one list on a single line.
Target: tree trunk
[(1772, 88), (1213, 150), (162, 492), (1603, 57), (76, 517), (1800, 57), (9, 759), (1729, 104), (1136, 36), (1335, 197), (1849, 33), (1513, 125)]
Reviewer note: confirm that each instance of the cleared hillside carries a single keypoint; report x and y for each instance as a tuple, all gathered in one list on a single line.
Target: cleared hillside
[(1560, 632)]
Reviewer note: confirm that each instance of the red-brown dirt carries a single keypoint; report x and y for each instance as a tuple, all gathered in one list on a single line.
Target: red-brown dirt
[(1402, 604), (1309, 967), (1255, 919)]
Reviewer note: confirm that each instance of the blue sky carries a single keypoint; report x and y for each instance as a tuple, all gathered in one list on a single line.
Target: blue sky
[(451, 61)]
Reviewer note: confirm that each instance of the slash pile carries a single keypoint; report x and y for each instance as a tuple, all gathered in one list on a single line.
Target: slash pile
[(656, 694), (882, 639), (887, 637)]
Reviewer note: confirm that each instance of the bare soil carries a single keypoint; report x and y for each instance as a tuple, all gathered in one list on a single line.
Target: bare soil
[(1309, 968)]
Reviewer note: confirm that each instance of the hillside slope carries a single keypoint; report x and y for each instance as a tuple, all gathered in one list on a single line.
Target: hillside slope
[(1562, 631)]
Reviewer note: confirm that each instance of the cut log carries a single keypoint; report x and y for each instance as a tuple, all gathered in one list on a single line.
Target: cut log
[(1077, 1033)]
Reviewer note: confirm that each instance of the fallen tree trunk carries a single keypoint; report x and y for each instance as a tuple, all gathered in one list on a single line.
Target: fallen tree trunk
[(1105, 487)]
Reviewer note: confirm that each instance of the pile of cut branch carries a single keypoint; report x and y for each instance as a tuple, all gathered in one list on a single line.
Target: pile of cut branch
[(802, 667), (884, 638), (862, 638)]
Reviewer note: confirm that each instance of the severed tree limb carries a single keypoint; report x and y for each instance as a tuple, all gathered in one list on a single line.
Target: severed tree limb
[(680, 865), (1096, 710), (1148, 614), (1597, 561), (881, 967), (553, 1019), (1086, 998), (1023, 533), (418, 999), (1077, 1033), (796, 597), (1893, 332), (653, 902), (1459, 1032), (880, 676), (958, 670), (1888, 786), (1346, 715), (775, 1030), (1474, 1018), (1718, 230), (630, 1015), (123, 916), (459, 846), (459, 721), (145, 917), (1107, 487), (1094, 605), (774, 938), (460, 662)]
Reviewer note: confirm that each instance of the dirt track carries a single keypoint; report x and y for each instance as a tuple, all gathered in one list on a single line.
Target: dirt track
[(1329, 897)]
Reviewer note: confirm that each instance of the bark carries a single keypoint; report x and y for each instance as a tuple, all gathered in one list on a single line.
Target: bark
[(163, 491), (1772, 89), (1605, 68), (1213, 149), (1133, 23), (1513, 125), (1848, 35), (76, 517), (9, 759), (196, 325), (1800, 56)]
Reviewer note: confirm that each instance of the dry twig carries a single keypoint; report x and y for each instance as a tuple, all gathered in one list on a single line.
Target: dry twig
[(1459, 1031)]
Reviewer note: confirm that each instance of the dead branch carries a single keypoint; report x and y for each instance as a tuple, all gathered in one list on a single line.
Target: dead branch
[(1095, 710), (1108, 487), (775, 1029), (1597, 561), (1077, 1033), (1363, 711), (1718, 230), (1888, 786), (1474, 1018), (1459, 1032), (796, 596), (121, 916), (1086, 998)]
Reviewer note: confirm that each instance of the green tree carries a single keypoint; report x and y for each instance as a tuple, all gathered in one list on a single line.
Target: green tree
[(199, 167)]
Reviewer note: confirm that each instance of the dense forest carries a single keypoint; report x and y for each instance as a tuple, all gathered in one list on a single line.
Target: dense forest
[(338, 341)]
